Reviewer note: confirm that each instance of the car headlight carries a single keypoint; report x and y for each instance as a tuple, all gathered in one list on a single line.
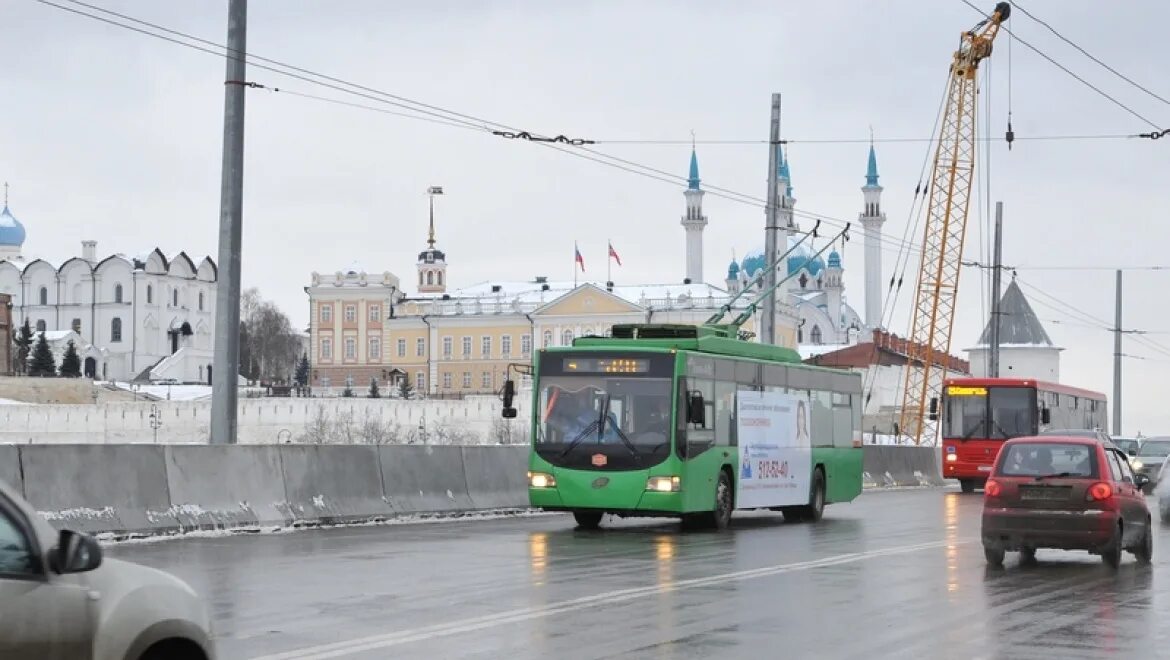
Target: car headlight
[(951, 458), (664, 484), (541, 480), (1136, 464)]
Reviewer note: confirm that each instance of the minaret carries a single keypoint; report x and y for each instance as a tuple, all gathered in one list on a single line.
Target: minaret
[(787, 201), (835, 292), (432, 263), (872, 219), (694, 221), (733, 277)]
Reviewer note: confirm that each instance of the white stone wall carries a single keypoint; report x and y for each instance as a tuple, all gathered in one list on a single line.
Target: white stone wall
[(474, 420), (1038, 362)]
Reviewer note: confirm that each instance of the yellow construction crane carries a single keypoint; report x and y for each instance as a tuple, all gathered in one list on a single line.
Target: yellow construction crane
[(942, 241)]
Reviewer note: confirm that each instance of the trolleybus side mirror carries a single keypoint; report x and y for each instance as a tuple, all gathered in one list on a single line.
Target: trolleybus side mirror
[(933, 408), (1045, 416), (696, 409), (509, 411)]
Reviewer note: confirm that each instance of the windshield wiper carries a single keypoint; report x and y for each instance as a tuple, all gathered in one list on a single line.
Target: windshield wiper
[(968, 434), (617, 428), (578, 438), (1058, 475)]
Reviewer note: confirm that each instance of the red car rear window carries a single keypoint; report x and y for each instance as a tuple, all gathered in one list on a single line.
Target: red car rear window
[(1032, 459)]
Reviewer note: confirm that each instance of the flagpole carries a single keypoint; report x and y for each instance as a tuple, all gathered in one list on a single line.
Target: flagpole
[(608, 262), (575, 252)]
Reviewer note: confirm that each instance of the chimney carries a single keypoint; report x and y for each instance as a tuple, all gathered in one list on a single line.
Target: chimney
[(609, 286), (686, 280), (496, 288), (544, 287), (89, 251)]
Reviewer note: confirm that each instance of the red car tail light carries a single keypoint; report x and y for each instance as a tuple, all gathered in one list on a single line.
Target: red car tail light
[(1099, 491), (992, 488)]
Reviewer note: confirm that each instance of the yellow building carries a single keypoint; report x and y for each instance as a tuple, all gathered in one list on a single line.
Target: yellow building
[(347, 329)]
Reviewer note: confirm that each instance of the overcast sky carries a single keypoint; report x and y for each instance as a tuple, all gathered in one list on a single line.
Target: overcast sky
[(115, 136)]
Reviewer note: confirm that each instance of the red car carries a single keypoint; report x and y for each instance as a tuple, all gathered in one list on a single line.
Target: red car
[(1071, 493)]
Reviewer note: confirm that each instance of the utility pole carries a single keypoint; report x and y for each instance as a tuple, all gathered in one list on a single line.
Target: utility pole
[(996, 269), (1117, 360), (771, 229), (224, 394)]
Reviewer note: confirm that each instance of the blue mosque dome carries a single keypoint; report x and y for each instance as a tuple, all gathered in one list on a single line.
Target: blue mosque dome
[(800, 258), (733, 270), (834, 259), (11, 231)]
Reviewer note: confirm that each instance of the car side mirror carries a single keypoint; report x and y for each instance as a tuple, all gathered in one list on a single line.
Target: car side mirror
[(75, 553), (696, 409), (509, 411), (933, 414), (1140, 480)]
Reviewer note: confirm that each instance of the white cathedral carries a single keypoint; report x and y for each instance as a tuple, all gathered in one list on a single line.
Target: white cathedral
[(144, 317), (815, 287)]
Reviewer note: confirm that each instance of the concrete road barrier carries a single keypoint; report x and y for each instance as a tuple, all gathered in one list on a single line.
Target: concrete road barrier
[(333, 483), (424, 478), (891, 465), (224, 487), (496, 476), (10, 467), (99, 488)]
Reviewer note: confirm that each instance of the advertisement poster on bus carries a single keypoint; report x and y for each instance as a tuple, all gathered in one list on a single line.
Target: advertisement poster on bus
[(775, 449)]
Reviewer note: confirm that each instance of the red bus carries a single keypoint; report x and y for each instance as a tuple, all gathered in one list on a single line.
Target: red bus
[(979, 414)]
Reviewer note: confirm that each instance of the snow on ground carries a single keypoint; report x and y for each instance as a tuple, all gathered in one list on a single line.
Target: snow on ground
[(174, 392), (12, 402)]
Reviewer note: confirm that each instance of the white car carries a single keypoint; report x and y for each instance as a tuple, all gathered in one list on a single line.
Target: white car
[(60, 600)]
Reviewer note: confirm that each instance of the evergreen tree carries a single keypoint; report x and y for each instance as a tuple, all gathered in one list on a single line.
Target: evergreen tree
[(405, 389), (71, 362), (347, 392), (302, 376), (24, 342), (42, 363), (374, 392)]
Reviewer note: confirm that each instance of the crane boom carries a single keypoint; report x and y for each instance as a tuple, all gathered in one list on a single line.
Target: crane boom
[(942, 241)]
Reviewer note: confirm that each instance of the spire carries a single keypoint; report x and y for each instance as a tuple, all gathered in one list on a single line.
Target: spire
[(871, 173), (431, 192), (5, 194), (782, 170), (693, 179)]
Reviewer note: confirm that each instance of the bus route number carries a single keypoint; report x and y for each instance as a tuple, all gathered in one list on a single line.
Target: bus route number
[(772, 469)]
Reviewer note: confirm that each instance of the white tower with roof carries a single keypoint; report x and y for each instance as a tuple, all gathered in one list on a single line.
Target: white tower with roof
[(693, 222)]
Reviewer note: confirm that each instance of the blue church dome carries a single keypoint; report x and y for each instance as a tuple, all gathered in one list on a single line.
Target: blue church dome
[(834, 259), (11, 231)]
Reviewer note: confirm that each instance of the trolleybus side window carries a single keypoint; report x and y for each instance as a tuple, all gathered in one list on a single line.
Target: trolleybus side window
[(725, 412), (842, 419), (821, 431)]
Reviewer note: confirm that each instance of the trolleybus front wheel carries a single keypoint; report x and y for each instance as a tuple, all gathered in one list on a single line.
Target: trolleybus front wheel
[(588, 519)]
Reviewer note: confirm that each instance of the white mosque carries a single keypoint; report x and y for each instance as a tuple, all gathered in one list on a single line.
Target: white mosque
[(816, 287), (147, 317)]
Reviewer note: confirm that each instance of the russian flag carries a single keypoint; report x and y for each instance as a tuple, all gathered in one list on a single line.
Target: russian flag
[(578, 258), (614, 255)]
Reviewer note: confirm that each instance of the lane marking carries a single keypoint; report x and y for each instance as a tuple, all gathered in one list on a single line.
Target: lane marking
[(386, 640)]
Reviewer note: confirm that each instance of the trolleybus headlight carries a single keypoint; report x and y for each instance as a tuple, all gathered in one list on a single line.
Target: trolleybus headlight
[(664, 484), (951, 458), (1136, 464), (541, 480)]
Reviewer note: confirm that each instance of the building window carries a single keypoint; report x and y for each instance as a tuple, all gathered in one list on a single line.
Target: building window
[(567, 338), (76, 326), (430, 278), (815, 335), (401, 348), (175, 297), (350, 348), (447, 380), (467, 347), (375, 348), (149, 294), (117, 293), (506, 345), (440, 275), (546, 340), (420, 347), (487, 380), (466, 379), (326, 348), (800, 335), (116, 330), (326, 313), (447, 342), (375, 313), (201, 301), (485, 346), (419, 381), (526, 344), (350, 313), (44, 295), (41, 325)]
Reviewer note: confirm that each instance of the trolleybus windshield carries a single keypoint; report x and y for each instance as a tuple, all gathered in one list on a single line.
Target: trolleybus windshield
[(990, 412)]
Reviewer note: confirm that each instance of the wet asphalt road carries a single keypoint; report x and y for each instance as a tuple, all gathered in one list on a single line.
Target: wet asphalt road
[(894, 574)]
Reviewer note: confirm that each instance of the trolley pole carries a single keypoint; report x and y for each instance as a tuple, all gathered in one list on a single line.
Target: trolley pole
[(1117, 360)]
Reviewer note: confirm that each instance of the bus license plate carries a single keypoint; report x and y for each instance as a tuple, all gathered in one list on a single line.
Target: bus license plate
[(985, 468)]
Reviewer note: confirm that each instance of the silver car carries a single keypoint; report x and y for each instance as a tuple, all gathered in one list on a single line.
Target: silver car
[(60, 599), (1149, 459)]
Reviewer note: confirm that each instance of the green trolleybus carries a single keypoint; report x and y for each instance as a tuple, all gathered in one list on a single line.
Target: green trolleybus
[(687, 421)]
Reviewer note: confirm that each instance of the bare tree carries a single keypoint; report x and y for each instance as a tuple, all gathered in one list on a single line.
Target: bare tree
[(269, 347)]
